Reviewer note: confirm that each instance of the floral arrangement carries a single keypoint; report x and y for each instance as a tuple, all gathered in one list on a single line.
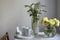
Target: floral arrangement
[(51, 25), (51, 22), (34, 10)]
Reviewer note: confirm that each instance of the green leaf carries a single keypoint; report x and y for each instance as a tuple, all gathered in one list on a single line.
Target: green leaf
[(29, 10), (37, 18), (40, 13), (30, 14), (38, 3), (32, 4), (43, 10), (26, 5), (43, 5)]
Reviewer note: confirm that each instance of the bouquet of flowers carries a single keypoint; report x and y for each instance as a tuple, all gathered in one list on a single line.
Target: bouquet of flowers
[(51, 25)]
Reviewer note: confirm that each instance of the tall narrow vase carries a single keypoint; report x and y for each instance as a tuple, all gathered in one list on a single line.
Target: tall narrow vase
[(35, 27)]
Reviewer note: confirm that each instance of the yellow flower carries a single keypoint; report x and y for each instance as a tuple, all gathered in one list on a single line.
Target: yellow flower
[(45, 21), (57, 22), (52, 22)]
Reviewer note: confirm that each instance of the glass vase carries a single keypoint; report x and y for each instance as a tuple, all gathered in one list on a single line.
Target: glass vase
[(50, 31), (35, 27)]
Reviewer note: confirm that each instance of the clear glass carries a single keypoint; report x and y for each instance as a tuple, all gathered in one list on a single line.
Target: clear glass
[(35, 27), (50, 31)]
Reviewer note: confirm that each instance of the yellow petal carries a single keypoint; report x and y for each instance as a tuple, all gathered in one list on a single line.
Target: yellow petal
[(45, 21), (57, 22), (55, 19), (52, 22)]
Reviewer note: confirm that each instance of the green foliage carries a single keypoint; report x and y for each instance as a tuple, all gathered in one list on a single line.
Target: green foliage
[(35, 9)]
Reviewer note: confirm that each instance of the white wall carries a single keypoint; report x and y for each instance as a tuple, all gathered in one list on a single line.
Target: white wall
[(13, 12), (58, 9)]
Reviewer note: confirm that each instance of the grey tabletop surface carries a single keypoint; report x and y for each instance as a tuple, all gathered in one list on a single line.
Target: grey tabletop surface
[(56, 37)]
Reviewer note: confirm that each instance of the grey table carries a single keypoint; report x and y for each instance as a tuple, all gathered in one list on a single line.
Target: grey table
[(57, 37)]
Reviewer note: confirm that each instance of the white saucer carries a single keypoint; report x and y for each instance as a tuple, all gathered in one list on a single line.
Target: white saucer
[(24, 37)]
